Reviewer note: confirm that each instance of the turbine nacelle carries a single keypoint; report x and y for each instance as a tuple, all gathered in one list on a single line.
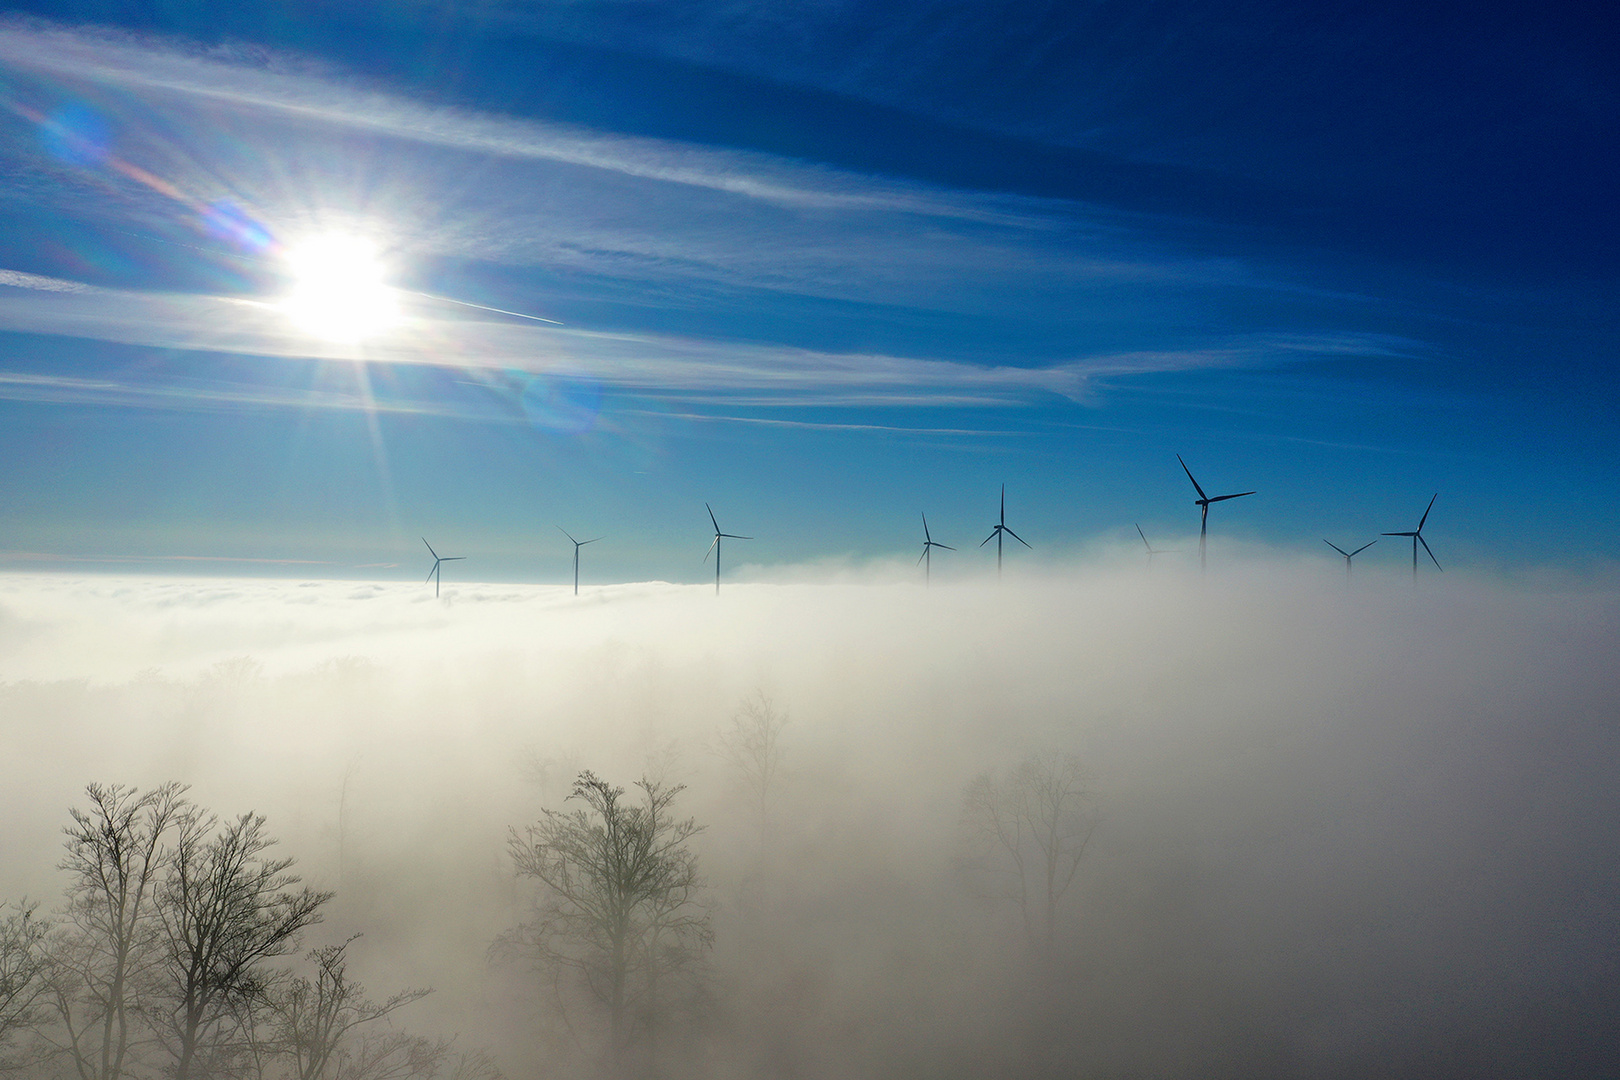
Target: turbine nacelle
[(1001, 527), (714, 545), (1348, 555), (1203, 503), (929, 544), (433, 574), (577, 545), (1417, 537)]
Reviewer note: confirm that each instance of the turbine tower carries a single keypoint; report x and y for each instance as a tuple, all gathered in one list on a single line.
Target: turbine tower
[(577, 545), (433, 574), (929, 544), (1348, 555), (1417, 538), (1151, 550), (1001, 527), (715, 546), (1203, 502)]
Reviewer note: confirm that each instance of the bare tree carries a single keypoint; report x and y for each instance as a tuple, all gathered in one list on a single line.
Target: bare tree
[(475, 1065), (1035, 821), (751, 744), (392, 1055), (225, 909), (108, 943), (316, 1017), (619, 907), (24, 978)]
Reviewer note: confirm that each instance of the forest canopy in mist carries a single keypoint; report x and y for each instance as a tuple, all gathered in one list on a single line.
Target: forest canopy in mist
[(1319, 828)]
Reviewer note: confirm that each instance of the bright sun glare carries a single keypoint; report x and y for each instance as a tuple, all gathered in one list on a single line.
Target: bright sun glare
[(339, 289)]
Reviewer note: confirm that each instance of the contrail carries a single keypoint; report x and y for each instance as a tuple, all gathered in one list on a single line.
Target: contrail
[(486, 307)]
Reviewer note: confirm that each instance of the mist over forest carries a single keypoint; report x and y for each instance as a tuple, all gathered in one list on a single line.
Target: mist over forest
[(1314, 828)]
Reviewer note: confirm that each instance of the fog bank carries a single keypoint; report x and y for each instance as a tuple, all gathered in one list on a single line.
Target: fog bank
[(1344, 829)]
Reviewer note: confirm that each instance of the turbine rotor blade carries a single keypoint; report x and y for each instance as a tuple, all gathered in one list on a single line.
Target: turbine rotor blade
[(1363, 547), (710, 509), (925, 528), (1018, 538), (924, 552), (1426, 510), (431, 572), (1223, 498), (1188, 471), (712, 545), (734, 536), (1398, 534), (991, 537), (566, 533), (1425, 544), (947, 547), (452, 558), (1337, 548), (1143, 535), (592, 540), (435, 554)]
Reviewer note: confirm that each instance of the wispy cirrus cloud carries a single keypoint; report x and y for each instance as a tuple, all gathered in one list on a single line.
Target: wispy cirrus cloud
[(16, 279), (299, 91), (683, 368), (271, 131), (660, 222)]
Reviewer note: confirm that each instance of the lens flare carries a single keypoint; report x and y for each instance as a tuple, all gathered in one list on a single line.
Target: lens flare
[(340, 289)]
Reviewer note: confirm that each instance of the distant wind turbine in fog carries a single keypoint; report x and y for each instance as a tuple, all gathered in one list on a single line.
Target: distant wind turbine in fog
[(1203, 502), (577, 545), (1417, 538), (715, 546), (1001, 527), (929, 544), (1348, 555), (1151, 550), (433, 574)]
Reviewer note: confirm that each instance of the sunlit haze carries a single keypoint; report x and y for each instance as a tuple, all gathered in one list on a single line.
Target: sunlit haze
[(339, 289), (627, 540)]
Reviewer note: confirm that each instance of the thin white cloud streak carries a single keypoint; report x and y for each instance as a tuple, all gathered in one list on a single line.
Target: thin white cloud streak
[(17, 279), (639, 361), (813, 425), (144, 63)]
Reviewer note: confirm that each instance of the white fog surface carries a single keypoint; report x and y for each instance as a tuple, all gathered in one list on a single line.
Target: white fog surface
[(1344, 829)]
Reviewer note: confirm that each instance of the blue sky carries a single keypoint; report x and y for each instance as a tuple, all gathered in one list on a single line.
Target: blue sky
[(823, 266)]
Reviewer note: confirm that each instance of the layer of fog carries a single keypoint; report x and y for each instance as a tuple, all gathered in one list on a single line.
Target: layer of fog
[(1346, 829)]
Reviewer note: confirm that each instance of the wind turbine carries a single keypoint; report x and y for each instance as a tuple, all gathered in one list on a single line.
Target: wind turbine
[(1001, 527), (1417, 538), (1151, 550), (1348, 555), (433, 574), (715, 546), (577, 545), (1203, 502), (929, 544)]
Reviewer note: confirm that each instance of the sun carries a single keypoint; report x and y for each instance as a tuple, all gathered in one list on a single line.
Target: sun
[(340, 289)]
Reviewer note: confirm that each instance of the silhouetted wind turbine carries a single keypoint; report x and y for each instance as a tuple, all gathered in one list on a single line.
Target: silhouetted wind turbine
[(1417, 538), (1348, 555), (929, 544), (577, 545), (1001, 527), (1203, 502), (715, 546), (433, 574), (1151, 550)]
